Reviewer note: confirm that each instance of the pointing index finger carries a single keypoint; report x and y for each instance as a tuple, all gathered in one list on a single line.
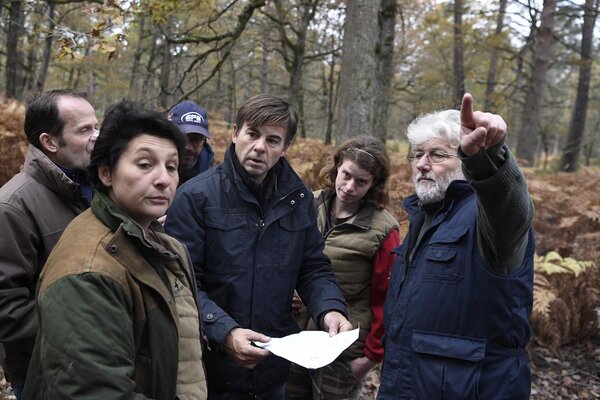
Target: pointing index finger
[(466, 111)]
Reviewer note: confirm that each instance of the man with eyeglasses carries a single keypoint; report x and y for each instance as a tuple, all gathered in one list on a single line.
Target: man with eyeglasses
[(461, 291)]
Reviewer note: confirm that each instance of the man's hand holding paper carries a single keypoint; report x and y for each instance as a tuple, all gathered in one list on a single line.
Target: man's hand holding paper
[(310, 349)]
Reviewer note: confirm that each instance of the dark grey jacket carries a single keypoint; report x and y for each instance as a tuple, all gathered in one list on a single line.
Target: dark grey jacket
[(35, 207)]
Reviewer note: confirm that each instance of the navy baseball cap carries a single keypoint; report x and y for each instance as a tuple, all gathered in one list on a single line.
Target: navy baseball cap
[(190, 118)]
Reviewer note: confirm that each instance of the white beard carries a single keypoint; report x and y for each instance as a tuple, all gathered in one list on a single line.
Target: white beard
[(432, 192)]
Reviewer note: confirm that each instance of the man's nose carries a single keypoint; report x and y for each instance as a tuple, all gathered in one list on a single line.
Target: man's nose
[(423, 163), (260, 145)]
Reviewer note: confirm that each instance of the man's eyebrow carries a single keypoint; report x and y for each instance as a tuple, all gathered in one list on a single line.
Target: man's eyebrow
[(432, 149)]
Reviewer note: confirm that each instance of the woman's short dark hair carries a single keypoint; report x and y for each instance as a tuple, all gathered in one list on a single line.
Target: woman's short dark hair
[(122, 123), (42, 114), (268, 109), (370, 155)]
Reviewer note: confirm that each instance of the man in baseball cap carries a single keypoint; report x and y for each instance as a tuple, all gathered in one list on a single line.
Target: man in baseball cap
[(192, 120)]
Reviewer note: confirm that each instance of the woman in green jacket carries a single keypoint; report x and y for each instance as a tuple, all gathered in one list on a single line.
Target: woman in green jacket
[(117, 305)]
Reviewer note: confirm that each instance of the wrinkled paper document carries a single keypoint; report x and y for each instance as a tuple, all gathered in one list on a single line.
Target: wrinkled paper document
[(310, 349)]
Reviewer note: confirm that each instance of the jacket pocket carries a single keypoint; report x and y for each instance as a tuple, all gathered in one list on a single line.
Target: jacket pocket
[(228, 237), (225, 219), (444, 257), (446, 366), (292, 240), (294, 222), (442, 264)]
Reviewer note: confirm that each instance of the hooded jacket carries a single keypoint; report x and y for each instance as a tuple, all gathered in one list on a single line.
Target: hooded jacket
[(35, 207), (248, 261)]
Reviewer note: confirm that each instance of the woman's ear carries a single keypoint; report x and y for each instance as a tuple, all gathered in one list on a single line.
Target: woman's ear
[(49, 143), (104, 175)]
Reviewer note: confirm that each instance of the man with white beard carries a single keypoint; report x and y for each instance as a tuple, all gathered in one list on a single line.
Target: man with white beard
[(461, 290)]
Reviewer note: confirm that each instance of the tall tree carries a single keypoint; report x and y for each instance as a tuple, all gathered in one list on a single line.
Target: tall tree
[(264, 71), (165, 92), (41, 80), (329, 90), (360, 76), (384, 53), (459, 73), (529, 135), (292, 20), (14, 57), (137, 58), (490, 87), (572, 150)]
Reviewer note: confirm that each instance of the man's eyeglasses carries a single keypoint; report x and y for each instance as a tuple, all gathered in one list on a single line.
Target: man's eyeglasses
[(435, 156)]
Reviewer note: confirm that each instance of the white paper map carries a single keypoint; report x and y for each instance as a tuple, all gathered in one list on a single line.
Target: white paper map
[(310, 349)]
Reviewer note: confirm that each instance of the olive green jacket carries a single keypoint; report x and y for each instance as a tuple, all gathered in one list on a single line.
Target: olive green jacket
[(108, 319), (351, 247)]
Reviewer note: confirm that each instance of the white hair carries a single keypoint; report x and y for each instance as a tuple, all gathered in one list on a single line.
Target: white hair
[(436, 125)]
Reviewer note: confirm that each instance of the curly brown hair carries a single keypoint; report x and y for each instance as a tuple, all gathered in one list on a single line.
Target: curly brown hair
[(369, 154)]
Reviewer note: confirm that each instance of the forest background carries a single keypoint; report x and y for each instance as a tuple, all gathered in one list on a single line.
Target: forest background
[(360, 67)]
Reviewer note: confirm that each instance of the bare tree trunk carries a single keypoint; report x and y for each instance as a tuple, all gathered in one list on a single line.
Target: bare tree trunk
[(166, 65), (360, 80), (14, 62), (516, 107), (459, 74), (490, 87), (135, 73), (330, 95), (588, 148), (529, 135), (301, 114), (232, 91), (29, 80), (41, 80), (294, 50), (71, 76), (570, 158), (218, 100), (150, 65), (264, 73), (91, 82), (385, 67)]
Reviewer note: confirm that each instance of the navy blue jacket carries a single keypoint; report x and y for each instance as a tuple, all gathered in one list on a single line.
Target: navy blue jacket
[(454, 328), (248, 261)]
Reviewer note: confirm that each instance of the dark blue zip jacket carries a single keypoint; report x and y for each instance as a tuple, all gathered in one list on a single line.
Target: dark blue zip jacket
[(454, 328), (248, 261)]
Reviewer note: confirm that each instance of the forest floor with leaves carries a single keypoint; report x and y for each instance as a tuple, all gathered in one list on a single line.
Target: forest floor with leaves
[(567, 220)]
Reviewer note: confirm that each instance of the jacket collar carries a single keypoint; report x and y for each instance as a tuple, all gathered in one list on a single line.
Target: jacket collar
[(285, 179), (112, 216), (362, 219), (48, 174)]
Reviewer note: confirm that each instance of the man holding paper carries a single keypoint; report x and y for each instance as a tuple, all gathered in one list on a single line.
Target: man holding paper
[(249, 225)]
